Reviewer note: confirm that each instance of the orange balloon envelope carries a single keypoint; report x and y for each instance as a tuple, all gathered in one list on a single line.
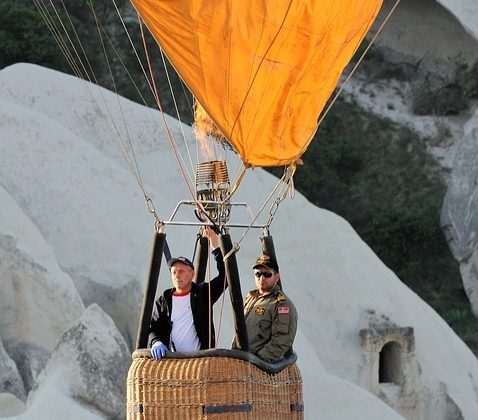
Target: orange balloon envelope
[(262, 69)]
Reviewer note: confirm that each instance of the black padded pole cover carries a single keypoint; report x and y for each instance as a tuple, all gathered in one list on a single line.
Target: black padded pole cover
[(232, 274), (201, 259), (150, 291), (268, 246), (268, 249)]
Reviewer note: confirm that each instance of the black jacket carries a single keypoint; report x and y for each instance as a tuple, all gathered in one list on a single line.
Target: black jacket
[(161, 326)]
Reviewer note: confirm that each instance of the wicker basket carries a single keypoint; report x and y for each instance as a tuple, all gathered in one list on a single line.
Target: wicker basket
[(211, 387)]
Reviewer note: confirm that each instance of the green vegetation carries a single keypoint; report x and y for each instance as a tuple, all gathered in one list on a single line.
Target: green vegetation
[(24, 37), (436, 95)]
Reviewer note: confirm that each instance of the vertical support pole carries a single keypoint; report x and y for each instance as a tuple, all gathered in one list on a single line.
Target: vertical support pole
[(268, 246), (201, 259), (232, 274), (150, 291), (268, 249)]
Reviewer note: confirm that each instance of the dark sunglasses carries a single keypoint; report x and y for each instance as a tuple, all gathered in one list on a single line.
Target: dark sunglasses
[(266, 274)]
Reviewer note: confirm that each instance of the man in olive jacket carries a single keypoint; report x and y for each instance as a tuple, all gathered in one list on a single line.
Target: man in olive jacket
[(271, 317), (182, 319)]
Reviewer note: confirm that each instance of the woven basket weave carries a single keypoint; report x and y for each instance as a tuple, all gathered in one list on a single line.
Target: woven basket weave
[(211, 388)]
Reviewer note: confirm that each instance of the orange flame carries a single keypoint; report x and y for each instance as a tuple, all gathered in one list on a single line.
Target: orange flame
[(203, 127), (206, 149)]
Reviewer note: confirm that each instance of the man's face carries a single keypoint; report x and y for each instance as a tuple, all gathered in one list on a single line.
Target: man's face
[(182, 276), (266, 279)]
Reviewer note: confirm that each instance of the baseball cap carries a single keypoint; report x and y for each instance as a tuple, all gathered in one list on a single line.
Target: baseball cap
[(266, 261), (183, 260)]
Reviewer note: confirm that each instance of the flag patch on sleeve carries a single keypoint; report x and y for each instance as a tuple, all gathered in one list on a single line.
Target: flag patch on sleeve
[(283, 309)]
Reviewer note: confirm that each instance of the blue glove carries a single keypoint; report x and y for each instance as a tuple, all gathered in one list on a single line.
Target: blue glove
[(158, 350)]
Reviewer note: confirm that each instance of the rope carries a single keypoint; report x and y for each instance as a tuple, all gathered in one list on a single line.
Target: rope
[(131, 161), (86, 73), (168, 130), (172, 142), (221, 308), (83, 69), (286, 182), (238, 181), (209, 294), (289, 188), (177, 110)]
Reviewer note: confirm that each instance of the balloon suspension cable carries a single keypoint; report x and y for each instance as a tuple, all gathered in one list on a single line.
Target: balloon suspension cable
[(178, 115), (287, 187), (132, 162), (57, 31), (287, 183), (235, 248), (239, 180), (158, 224), (362, 56), (174, 147), (138, 59), (78, 60), (69, 42)]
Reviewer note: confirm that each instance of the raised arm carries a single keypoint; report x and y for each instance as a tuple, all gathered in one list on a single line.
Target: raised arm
[(217, 283)]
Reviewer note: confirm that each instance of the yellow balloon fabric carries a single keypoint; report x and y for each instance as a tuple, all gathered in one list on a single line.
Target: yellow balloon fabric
[(262, 69)]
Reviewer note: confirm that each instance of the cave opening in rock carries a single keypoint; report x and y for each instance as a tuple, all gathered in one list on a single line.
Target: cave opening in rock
[(389, 363)]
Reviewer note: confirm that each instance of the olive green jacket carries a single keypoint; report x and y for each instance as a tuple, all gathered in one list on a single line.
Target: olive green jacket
[(271, 322)]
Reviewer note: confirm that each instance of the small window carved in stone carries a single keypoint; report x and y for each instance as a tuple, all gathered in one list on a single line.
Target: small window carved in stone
[(389, 370)]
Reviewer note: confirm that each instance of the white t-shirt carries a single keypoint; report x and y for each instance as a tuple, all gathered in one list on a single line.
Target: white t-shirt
[(183, 335)]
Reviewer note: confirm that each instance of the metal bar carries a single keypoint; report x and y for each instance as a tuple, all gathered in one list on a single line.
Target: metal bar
[(193, 203), (238, 225)]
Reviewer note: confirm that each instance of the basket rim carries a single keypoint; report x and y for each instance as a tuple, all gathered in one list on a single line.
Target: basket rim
[(272, 368)]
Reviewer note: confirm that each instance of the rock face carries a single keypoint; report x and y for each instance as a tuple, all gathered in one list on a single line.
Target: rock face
[(92, 359), (10, 405), (459, 216), (38, 301), (10, 381), (444, 35), (93, 269), (465, 11)]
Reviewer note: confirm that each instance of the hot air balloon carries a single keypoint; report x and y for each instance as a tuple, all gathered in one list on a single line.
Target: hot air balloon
[(262, 72)]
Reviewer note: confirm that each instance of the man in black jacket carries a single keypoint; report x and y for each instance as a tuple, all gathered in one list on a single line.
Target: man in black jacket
[(182, 316)]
